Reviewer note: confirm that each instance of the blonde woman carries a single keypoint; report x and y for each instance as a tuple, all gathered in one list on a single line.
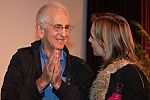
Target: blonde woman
[(112, 40)]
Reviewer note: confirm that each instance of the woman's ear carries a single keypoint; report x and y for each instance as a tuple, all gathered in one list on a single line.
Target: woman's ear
[(39, 31)]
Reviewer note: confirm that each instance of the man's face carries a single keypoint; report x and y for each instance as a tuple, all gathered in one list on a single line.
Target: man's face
[(55, 36)]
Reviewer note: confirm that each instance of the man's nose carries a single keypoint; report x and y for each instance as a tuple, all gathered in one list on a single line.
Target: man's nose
[(64, 31)]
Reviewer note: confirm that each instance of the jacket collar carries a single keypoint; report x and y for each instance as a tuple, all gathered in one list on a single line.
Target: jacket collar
[(35, 48)]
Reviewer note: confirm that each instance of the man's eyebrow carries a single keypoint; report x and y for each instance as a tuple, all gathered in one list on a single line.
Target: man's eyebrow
[(58, 25), (61, 25)]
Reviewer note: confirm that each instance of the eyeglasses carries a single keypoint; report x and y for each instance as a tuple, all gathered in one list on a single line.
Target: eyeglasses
[(59, 27)]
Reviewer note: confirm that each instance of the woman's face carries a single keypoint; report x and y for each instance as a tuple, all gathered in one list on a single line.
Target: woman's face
[(98, 50)]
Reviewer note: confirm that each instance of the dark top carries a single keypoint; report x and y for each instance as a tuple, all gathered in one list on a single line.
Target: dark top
[(25, 68), (131, 79)]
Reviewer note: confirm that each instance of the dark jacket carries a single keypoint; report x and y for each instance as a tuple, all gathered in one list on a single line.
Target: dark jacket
[(135, 83), (25, 68)]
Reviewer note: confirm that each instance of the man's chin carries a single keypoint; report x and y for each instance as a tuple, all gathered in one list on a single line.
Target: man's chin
[(59, 47)]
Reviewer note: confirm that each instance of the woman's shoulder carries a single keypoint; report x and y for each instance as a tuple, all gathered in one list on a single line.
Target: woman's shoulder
[(131, 76), (128, 69)]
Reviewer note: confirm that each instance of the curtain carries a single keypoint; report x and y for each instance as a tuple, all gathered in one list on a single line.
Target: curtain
[(145, 21)]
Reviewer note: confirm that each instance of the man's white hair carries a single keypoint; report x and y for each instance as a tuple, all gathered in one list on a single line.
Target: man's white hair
[(46, 11)]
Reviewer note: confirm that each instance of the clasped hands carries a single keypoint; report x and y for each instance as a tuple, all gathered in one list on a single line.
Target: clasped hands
[(51, 74)]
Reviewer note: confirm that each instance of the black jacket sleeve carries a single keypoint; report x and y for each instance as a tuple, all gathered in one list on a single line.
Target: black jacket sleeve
[(16, 86)]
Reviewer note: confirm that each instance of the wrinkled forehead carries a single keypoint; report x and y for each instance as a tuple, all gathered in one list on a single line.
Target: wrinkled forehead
[(55, 13), (58, 8), (59, 18), (58, 11)]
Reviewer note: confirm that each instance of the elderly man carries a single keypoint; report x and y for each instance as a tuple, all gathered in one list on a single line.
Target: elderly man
[(46, 70)]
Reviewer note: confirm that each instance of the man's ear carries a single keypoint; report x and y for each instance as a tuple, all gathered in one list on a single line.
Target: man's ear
[(39, 31)]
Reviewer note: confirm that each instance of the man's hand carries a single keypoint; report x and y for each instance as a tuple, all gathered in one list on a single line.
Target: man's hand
[(56, 77), (51, 73)]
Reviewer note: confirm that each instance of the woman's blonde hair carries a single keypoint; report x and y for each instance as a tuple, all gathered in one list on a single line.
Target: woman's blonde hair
[(113, 32)]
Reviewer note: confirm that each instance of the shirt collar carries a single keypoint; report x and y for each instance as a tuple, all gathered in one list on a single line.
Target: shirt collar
[(46, 57)]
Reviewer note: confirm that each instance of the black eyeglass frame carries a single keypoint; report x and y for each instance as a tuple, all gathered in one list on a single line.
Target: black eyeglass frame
[(59, 27)]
